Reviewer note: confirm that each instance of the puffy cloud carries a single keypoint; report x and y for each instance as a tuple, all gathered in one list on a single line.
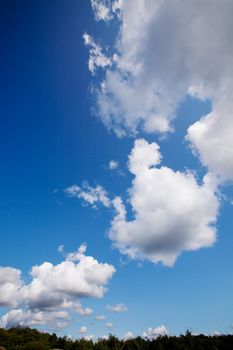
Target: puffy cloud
[(105, 337), (52, 289), (31, 318), (89, 337), (83, 311), (77, 277), (108, 325), (117, 308), (179, 49), (113, 164), (91, 195), (82, 330), (128, 335), (153, 333), (100, 317), (172, 212), (10, 284), (211, 137), (77, 307)]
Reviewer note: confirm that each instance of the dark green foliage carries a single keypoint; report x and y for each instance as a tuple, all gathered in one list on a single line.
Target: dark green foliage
[(31, 339)]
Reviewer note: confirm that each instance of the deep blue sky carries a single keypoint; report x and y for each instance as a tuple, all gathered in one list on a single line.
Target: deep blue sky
[(50, 140)]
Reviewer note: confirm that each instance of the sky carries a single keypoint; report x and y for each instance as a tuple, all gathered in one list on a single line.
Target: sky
[(116, 167)]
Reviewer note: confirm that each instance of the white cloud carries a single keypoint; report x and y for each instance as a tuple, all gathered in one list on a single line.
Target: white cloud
[(91, 195), (77, 307), (153, 333), (113, 164), (82, 330), (10, 284), (96, 58), (89, 337), (216, 334), (100, 317), (31, 318), (128, 335), (102, 9), (173, 55), (77, 277), (60, 249), (83, 311), (172, 213), (105, 337), (212, 139), (108, 325), (117, 308), (53, 288)]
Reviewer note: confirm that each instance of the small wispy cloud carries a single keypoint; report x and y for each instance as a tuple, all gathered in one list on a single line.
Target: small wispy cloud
[(113, 164), (100, 317), (90, 195), (108, 325), (117, 308)]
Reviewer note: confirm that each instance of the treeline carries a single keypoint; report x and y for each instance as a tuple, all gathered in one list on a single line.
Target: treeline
[(31, 339)]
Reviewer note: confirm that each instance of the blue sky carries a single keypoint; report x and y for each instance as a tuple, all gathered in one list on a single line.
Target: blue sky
[(140, 79)]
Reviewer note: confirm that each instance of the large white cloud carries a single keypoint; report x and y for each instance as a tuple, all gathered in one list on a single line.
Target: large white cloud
[(172, 212), (212, 139), (53, 288), (10, 284), (164, 51), (76, 277)]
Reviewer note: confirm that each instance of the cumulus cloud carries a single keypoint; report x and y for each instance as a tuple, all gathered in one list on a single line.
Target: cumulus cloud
[(54, 288), (76, 307), (83, 311), (211, 138), (179, 48), (78, 276), (90, 195), (172, 212), (117, 308), (128, 335), (105, 337), (89, 337), (82, 330), (153, 333), (113, 164), (10, 284), (31, 318)]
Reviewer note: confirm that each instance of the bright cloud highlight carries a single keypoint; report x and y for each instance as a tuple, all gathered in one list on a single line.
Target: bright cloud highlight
[(179, 48), (53, 289), (172, 213)]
